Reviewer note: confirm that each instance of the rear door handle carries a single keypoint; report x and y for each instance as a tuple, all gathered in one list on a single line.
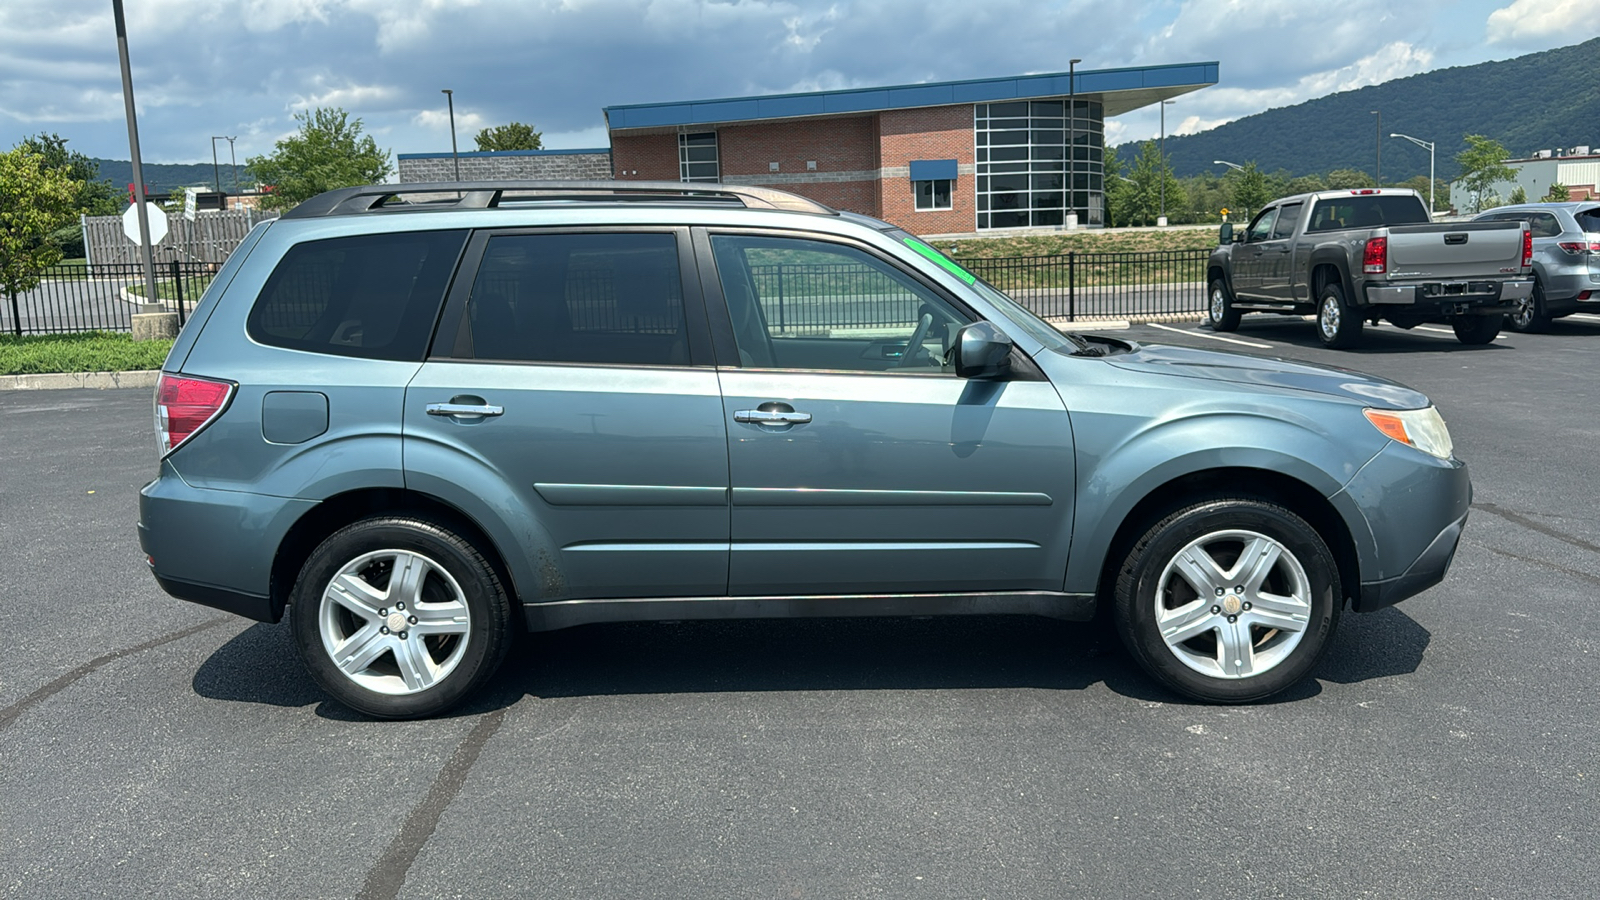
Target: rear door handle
[(771, 417), (464, 409)]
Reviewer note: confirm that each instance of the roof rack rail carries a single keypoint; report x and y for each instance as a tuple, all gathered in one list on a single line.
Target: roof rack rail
[(489, 194)]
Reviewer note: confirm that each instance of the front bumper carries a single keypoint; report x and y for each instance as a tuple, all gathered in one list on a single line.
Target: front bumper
[(1428, 570)]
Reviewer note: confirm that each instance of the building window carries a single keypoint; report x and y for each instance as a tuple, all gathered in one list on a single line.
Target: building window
[(932, 194), (697, 157), (1036, 161)]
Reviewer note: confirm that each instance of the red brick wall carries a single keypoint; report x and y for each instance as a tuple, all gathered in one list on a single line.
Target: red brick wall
[(655, 156), (835, 144), (940, 132)]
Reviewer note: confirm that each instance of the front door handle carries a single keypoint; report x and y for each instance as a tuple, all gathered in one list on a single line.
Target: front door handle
[(464, 409), (771, 417)]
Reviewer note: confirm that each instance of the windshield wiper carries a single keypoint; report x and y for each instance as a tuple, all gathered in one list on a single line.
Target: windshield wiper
[(1084, 347)]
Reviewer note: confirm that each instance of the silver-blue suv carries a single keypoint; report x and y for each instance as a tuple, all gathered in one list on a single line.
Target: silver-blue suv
[(423, 421)]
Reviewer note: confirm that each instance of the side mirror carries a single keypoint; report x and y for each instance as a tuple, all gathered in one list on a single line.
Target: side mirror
[(982, 352), (1225, 236)]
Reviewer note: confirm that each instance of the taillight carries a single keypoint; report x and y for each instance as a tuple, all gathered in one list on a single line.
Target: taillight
[(185, 404), (1574, 247), (1527, 249), (1375, 259)]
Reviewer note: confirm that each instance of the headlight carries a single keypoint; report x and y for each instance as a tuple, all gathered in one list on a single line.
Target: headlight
[(1420, 428)]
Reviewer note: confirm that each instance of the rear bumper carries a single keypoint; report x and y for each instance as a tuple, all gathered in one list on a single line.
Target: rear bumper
[(1444, 298)]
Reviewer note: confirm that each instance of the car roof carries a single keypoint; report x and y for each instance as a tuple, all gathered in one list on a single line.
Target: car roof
[(390, 199)]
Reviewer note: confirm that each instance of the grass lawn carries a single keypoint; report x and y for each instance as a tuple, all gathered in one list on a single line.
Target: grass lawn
[(1086, 241), (91, 351), (167, 289)]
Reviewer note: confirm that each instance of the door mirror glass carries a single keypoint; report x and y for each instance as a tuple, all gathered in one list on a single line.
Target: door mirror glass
[(982, 352), (1225, 236)]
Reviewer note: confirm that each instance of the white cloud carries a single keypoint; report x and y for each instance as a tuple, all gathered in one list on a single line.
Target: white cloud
[(347, 96), (1535, 22)]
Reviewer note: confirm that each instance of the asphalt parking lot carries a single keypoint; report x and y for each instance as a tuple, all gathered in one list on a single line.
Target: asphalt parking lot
[(1446, 747)]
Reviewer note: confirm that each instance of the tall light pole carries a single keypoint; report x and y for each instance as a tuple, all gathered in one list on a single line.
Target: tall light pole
[(216, 175), (450, 97), (1072, 139), (233, 161), (1377, 141), (138, 167), (1162, 174), (1223, 162), (1429, 146)]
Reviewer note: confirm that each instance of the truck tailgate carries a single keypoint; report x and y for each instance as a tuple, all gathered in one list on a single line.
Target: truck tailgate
[(1455, 250)]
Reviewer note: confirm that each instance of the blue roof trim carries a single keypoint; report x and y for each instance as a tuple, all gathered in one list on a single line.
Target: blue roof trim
[(933, 170), (908, 96), (479, 154)]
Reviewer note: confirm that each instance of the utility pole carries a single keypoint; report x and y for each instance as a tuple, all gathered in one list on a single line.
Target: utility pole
[(1072, 139), (450, 97), (1377, 141), (1161, 220), (1429, 146), (138, 167)]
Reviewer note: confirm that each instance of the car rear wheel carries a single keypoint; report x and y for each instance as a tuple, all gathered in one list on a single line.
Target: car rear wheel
[(399, 617), (1338, 325), (1219, 307), (1476, 329), (1228, 600), (1530, 315)]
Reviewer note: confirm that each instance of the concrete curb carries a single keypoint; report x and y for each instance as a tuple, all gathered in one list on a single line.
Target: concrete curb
[(144, 378)]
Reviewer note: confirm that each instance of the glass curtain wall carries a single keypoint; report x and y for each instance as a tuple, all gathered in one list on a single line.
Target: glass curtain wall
[(1034, 164)]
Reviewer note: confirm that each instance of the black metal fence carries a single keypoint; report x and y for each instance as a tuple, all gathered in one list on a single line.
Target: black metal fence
[(795, 297), (72, 298)]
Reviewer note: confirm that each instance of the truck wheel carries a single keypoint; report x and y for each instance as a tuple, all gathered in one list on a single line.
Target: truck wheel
[(1219, 308), (1338, 325), (1530, 315), (1228, 600), (1476, 329)]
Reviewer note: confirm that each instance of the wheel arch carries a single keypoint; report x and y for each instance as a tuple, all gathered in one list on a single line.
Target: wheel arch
[(334, 513), (1251, 483)]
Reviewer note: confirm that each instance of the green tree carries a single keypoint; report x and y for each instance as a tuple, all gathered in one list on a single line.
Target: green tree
[(97, 196), (1558, 193), (1249, 190), (1346, 179), (1518, 196), (328, 152), (1483, 164), (35, 200), (1148, 174), (1118, 190), (515, 136)]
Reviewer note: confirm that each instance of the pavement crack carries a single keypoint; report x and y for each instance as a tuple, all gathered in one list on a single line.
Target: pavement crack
[(388, 874), (1540, 527), (10, 713), (1585, 576)]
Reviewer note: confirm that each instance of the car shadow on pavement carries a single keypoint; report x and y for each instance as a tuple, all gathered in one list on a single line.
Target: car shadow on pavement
[(1374, 340), (978, 652)]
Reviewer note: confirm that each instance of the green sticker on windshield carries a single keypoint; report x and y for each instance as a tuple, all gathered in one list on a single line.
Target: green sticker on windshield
[(943, 261)]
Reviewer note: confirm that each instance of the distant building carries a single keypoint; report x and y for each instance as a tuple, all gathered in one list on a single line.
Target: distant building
[(502, 165), (1576, 167)]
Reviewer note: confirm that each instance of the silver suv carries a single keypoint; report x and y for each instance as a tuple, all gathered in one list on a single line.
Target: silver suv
[(1566, 260), (421, 422)]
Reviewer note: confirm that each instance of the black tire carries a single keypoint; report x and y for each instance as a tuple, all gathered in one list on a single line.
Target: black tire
[(1531, 315), (1338, 325), (390, 672), (1219, 307), (1152, 593), (1476, 329)]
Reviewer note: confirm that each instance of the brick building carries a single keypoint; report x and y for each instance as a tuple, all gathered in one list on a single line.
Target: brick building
[(935, 158), (504, 165)]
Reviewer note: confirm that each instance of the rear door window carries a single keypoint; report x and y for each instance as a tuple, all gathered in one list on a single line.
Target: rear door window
[(373, 296), (1543, 225)]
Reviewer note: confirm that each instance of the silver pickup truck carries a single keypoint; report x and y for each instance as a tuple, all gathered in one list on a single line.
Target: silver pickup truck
[(1369, 255)]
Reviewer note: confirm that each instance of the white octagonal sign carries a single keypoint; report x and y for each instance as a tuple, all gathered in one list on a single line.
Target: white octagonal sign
[(158, 223)]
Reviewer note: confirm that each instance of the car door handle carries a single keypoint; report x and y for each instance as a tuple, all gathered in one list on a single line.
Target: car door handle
[(464, 409), (771, 417)]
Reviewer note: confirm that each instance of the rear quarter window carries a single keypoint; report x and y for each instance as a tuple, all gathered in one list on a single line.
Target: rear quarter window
[(372, 296), (1588, 219)]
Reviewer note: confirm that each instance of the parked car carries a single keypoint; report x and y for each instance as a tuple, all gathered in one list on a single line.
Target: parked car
[(1566, 260), (422, 423), (1370, 254)]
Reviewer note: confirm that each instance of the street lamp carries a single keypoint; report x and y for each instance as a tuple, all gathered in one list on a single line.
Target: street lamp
[(1377, 141), (1072, 139), (1223, 162), (450, 97), (216, 176), (232, 161), (1162, 174), (1429, 146)]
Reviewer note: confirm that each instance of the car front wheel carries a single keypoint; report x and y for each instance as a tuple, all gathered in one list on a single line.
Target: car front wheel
[(1228, 600), (399, 617), (1219, 307)]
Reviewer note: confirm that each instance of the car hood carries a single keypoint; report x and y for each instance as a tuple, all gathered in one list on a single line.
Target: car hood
[(1237, 368)]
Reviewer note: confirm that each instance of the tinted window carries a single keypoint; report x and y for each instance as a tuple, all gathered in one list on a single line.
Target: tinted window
[(801, 304), (1288, 217), (1367, 211), (580, 298), (1588, 219), (1261, 228), (1543, 224), (374, 296)]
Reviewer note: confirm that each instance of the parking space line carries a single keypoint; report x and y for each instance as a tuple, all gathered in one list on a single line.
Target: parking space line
[(1214, 337), (1450, 331)]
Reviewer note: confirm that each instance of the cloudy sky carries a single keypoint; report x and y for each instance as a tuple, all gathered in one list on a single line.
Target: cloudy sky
[(245, 67)]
